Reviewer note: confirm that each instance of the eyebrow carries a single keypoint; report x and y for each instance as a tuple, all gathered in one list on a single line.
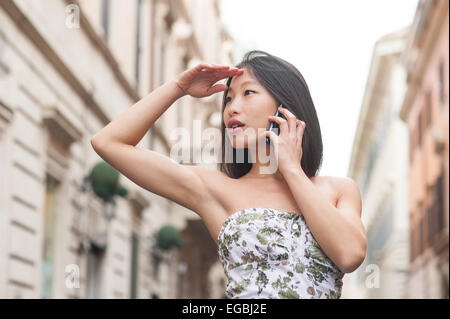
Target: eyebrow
[(243, 83)]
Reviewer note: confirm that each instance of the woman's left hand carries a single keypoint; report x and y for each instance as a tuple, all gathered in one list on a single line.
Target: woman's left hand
[(287, 145)]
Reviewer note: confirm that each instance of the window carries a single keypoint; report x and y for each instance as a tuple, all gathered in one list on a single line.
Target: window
[(436, 215), (95, 259), (48, 250), (157, 259), (420, 231), (138, 43), (134, 265), (439, 200), (105, 17)]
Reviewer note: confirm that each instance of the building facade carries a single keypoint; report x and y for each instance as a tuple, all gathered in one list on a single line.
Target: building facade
[(425, 111), (400, 159), (67, 68), (379, 164)]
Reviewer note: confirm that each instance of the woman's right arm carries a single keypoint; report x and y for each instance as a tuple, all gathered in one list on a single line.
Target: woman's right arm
[(116, 142)]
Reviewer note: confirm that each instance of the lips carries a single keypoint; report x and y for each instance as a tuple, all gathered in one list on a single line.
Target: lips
[(234, 122), (236, 129), (235, 126)]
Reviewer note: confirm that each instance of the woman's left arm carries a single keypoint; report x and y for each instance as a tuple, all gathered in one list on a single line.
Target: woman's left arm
[(338, 230)]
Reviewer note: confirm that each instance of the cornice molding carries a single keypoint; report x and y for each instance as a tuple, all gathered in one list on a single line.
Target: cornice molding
[(60, 126)]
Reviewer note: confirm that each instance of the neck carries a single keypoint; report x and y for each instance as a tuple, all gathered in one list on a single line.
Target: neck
[(265, 171)]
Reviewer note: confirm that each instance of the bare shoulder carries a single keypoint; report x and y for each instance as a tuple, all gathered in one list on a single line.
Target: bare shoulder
[(348, 193), (338, 184)]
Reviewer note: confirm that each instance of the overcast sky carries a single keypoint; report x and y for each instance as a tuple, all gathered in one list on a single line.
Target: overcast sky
[(331, 43)]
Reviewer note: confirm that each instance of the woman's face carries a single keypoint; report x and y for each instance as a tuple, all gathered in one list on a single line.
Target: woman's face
[(250, 103)]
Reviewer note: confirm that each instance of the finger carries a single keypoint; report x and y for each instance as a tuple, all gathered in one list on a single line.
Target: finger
[(212, 65), (217, 88), (282, 122), (203, 66), (217, 67), (209, 67), (216, 75), (220, 74), (300, 132), (291, 120), (229, 72), (286, 112)]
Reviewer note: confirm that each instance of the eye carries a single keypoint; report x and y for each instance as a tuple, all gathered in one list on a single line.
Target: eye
[(227, 99)]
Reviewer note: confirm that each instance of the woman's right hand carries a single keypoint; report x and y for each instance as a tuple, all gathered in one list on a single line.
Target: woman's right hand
[(199, 80)]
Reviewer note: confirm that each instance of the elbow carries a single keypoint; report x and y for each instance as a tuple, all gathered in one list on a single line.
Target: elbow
[(351, 261), (96, 144)]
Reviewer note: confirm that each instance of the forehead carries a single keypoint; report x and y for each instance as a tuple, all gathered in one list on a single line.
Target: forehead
[(240, 80)]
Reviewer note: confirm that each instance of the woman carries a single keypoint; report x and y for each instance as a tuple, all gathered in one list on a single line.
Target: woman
[(282, 232)]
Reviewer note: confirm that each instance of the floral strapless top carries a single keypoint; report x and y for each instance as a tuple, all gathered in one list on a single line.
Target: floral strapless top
[(267, 253)]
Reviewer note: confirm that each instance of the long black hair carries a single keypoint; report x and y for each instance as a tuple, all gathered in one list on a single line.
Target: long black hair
[(287, 86)]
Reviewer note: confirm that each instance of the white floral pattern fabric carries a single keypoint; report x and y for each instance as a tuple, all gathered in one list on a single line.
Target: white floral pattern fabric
[(268, 253)]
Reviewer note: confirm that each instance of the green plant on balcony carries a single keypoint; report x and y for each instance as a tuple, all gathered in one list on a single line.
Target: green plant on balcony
[(104, 180), (167, 237)]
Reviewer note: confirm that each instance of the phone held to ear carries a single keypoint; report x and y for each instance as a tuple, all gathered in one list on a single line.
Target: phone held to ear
[(274, 126)]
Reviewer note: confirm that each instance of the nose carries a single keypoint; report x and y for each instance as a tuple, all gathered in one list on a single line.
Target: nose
[(234, 107), (232, 112)]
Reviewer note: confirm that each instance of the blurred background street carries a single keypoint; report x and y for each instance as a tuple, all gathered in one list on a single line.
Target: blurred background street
[(73, 227)]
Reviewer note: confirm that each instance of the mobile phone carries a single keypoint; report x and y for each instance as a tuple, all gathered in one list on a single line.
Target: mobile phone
[(274, 125)]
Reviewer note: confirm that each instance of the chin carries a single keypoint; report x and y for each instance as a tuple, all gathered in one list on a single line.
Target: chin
[(245, 138), (243, 141)]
